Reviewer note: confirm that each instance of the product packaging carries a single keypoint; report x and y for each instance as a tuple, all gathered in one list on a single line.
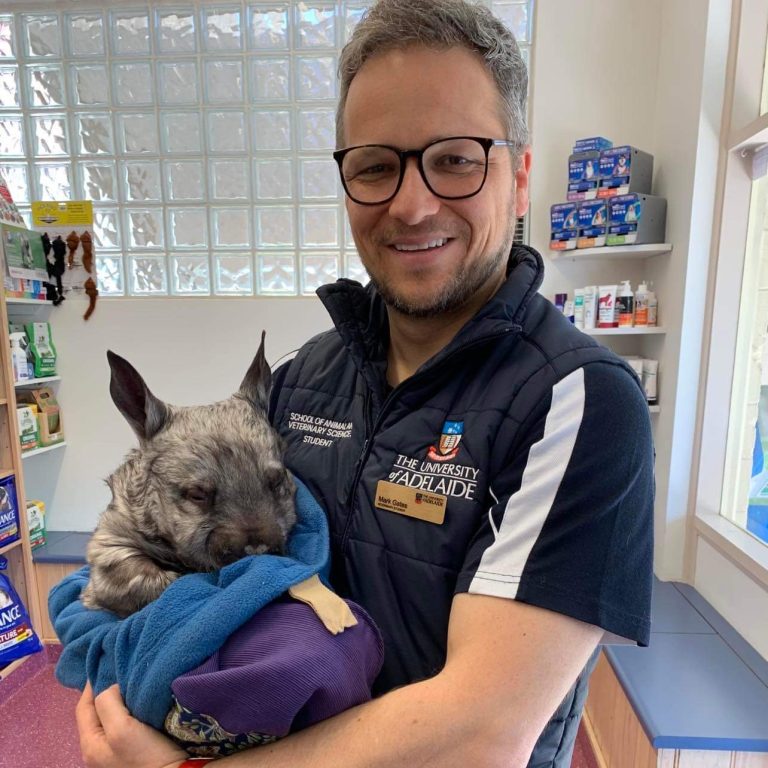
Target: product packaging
[(650, 376), (560, 299), (635, 219), (625, 305), (578, 308), (624, 170), (583, 175), (9, 512), (50, 427), (29, 436), (19, 358), (564, 226), (641, 305), (606, 303), (17, 638), (568, 311), (593, 224), (36, 523), (636, 364), (591, 143), (590, 307), (43, 350), (653, 308)]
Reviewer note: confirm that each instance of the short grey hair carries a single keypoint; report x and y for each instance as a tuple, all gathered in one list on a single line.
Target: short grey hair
[(397, 24)]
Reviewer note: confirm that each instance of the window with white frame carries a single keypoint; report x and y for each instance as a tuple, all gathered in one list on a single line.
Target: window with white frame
[(201, 131), (740, 311)]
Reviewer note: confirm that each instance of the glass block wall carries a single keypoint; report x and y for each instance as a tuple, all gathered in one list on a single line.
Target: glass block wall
[(201, 131)]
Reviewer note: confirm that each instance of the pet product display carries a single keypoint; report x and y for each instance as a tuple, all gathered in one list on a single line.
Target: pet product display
[(636, 219), (564, 226), (36, 523), (43, 350), (9, 512), (29, 435), (583, 175), (624, 170), (17, 638), (625, 305), (593, 224), (50, 429)]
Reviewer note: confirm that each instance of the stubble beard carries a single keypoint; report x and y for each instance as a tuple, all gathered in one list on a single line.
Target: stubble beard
[(456, 293)]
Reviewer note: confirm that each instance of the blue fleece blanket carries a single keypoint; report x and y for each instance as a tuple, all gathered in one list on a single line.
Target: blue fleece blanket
[(192, 618)]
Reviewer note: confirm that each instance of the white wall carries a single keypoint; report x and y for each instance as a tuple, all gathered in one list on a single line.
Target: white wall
[(189, 351)]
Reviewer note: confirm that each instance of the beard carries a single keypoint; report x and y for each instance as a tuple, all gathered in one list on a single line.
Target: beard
[(454, 294)]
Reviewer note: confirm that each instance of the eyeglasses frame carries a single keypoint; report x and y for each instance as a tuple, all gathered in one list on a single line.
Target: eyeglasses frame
[(404, 154)]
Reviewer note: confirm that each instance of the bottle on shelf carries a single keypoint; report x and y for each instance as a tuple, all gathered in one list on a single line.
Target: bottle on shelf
[(641, 304), (653, 307), (625, 305)]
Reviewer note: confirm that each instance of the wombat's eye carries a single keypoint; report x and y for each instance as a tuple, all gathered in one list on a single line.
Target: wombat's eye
[(275, 477), (198, 495)]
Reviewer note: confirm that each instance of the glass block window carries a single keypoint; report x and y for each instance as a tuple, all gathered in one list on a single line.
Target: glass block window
[(202, 132)]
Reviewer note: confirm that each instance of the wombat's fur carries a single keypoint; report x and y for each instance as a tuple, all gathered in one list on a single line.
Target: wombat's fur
[(206, 487)]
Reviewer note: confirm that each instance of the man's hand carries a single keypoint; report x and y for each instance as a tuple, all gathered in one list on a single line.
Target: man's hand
[(111, 738)]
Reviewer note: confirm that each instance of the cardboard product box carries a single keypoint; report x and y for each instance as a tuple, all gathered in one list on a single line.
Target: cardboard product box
[(29, 435), (636, 219), (624, 170), (50, 428), (9, 512), (591, 144), (36, 523)]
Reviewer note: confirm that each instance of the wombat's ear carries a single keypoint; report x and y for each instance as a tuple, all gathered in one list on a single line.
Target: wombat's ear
[(144, 412), (258, 381)]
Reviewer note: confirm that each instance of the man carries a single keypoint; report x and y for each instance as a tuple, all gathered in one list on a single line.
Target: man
[(486, 468)]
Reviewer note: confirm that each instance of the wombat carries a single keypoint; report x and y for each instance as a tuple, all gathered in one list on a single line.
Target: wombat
[(205, 487)]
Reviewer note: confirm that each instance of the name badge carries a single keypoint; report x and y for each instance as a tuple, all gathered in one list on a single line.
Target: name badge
[(411, 502)]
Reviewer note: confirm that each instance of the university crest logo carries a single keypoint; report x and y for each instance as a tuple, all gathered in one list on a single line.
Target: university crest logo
[(448, 446)]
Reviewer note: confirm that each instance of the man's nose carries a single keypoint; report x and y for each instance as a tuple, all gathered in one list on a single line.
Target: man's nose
[(414, 200)]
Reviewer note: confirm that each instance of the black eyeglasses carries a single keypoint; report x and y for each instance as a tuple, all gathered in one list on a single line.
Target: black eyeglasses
[(453, 168)]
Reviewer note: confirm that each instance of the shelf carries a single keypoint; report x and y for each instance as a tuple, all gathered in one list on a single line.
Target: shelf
[(615, 252), (6, 472), (633, 331), (9, 547), (6, 670), (33, 302), (34, 382), (37, 451)]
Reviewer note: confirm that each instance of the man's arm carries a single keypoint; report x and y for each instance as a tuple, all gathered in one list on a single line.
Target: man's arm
[(509, 665)]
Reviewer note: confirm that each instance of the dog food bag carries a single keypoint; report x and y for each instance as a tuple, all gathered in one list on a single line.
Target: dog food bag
[(10, 529), (17, 638)]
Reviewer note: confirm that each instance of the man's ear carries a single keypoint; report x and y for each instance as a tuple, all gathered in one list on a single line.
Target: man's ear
[(522, 172), (142, 410), (258, 381)]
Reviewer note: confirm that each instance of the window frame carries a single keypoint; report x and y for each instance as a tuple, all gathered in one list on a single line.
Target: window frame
[(743, 131)]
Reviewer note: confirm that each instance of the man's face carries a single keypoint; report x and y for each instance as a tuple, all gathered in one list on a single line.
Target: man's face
[(407, 99)]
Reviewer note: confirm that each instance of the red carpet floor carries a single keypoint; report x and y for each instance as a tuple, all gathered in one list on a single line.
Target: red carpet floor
[(37, 720)]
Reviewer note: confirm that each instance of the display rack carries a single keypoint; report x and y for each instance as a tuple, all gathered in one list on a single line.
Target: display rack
[(20, 569)]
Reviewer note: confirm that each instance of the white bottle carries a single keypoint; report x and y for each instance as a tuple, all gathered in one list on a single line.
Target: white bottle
[(641, 304), (578, 308), (653, 308), (18, 360)]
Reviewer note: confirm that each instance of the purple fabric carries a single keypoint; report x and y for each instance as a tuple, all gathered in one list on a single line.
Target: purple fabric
[(283, 671)]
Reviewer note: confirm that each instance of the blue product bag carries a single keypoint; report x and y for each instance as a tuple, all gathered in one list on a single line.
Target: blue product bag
[(17, 638)]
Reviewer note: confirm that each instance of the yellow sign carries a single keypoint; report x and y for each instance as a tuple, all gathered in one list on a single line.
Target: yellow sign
[(73, 213)]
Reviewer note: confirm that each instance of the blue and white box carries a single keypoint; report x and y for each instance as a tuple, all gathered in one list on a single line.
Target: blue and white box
[(636, 219), (593, 223), (623, 170), (583, 176), (591, 144), (564, 226)]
